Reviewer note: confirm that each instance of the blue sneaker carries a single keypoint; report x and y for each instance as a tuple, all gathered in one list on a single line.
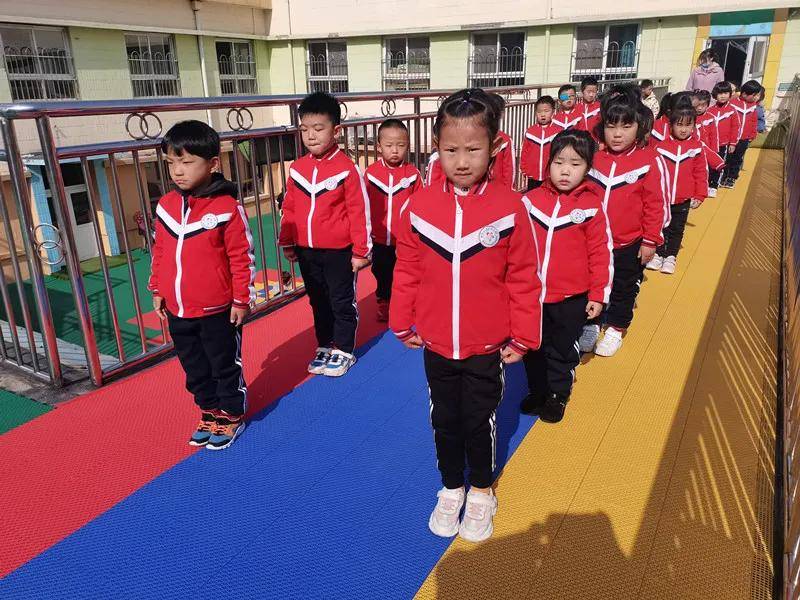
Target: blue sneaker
[(208, 420), (320, 361), (225, 432)]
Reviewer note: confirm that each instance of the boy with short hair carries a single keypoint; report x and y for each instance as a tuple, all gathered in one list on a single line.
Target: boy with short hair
[(589, 106), (202, 279), (746, 106), (568, 114), (649, 97), (325, 227), (727, 124), (390, 181), (536, 146)]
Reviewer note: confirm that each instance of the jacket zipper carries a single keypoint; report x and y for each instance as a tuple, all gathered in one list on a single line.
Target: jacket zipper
[(185, 210)]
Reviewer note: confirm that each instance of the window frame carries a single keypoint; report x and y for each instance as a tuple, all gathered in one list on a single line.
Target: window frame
[(387, 77), (40, 77), (328, 80), (236, 78), (604, 71), (474, 78), (153, 76)]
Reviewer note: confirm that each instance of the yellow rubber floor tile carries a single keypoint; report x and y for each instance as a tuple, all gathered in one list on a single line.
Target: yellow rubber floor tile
[(657, 484)]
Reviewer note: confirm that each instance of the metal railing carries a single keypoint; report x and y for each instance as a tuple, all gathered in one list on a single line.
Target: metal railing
[(407, 70), (489, 68), (616, 62), (40, 73), (64, 317), (789, 346)]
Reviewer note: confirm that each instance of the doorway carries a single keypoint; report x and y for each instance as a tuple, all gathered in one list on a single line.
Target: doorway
[(742, 58)]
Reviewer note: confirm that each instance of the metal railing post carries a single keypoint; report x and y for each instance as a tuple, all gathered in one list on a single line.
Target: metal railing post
[(417, 112)]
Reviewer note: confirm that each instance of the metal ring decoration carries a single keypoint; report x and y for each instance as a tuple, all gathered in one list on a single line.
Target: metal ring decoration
[(526, 95), (243, 121), (388, 107), (343, 108), (439, 100), (143, 126), (48, 245)]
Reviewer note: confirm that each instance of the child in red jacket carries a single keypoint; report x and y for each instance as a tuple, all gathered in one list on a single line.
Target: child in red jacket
[(727, 124), (634, 188), (575, 248), (325, 227), (687, 172), (466, 290), (536, 146), (390, 181), (202, 280), (746, 106), (706, 132), (568, 115), (589, 106)]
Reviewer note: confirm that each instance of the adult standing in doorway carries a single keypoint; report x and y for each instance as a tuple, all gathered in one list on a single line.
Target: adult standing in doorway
[(707, 73)]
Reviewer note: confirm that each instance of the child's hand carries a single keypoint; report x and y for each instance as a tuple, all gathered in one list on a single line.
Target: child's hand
[(593, 309), (646, 253), (414, 342), (358, 263), (695, 202), (238, 314), (508, 356), (289, 253), (732, 148), (158, 306)]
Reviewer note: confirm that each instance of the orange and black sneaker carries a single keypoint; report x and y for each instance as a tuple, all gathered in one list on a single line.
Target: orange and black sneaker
[(226, 430), (208, 421)]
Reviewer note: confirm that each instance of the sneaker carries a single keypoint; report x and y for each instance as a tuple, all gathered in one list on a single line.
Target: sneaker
[(727, 183), (383, 310), (669, 265), (655, 263), (532, 404), (321, 358), (553, 410), (339, 363), (589, 337), (444, 518), (227, 429), (208, 421), (712, 192), (611, 342), (476, 525)]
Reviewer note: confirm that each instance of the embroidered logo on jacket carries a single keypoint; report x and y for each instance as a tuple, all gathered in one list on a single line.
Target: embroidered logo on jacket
[(321, 187), (468, 245), (618, 179)]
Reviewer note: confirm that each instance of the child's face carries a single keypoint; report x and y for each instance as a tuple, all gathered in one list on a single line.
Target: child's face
[(683, 129), (723, 97), (751, 97), (544, 114), (620, 136), (589, 94), (318, 133), (700, 106), (189, 171), (393, 145), (567, 170), (647, 91), (465, 151), (566, 100)]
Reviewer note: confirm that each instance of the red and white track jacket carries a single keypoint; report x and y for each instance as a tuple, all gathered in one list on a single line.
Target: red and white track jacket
[(573, 241), (388, 188), (326, 205), (466, 277), (748, 118), (590, 116), (503, 168), (635, 192), (706, 132), (566, 119), (727, 123), (661, 130), (687, 168), (536, 150), (203, 254)]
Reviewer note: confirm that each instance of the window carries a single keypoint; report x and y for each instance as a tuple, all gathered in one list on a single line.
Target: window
[(152, 64), (606, 51), (327, 67), (237, 68), (38, 63), (407, 64), (498, 59)]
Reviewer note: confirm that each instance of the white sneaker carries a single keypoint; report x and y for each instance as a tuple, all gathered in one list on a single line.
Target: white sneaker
[(589, 337), (669, 265), (444, 518), (611, 342), (339, 363), (655, 263), (476, 525), (317, 364), (712, 192)]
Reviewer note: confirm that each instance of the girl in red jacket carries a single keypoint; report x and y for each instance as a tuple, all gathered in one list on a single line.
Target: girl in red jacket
[(575, 249), (632, 181), (466, 290), (688, 183), (536, 146)]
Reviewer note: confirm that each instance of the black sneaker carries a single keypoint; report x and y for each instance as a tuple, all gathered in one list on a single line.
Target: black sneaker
[(728, 182), (532, 404), (553, 409)]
